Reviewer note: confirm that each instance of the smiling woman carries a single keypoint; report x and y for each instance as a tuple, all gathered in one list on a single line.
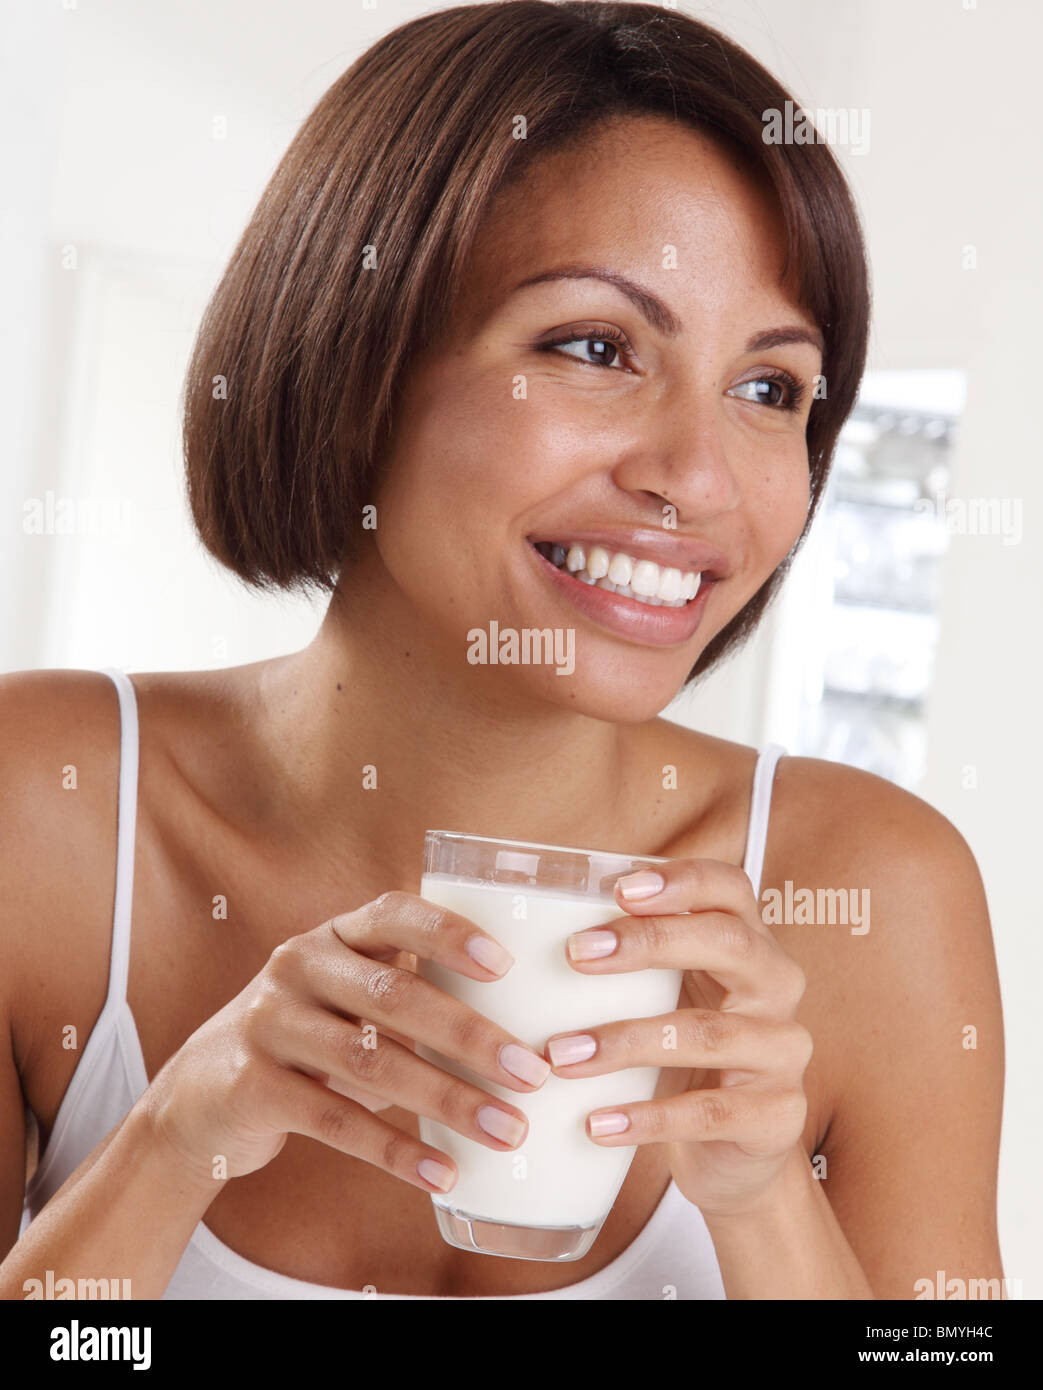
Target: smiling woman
[(531, 333), (665, 377), (338, 285)]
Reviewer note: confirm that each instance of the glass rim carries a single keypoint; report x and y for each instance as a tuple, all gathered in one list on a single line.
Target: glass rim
[(557, 849)]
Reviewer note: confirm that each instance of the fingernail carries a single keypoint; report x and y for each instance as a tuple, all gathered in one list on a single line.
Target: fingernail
[(591, 945), (578, 1047), (500, 1125), (525, 1065), (489, 954), (437, 1174), (612, 1122), (645, 884)]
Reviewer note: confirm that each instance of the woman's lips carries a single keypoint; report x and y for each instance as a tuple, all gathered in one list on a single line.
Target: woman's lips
[(628, 617)]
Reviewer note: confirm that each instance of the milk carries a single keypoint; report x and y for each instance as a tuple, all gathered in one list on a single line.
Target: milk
[(558, 1176)]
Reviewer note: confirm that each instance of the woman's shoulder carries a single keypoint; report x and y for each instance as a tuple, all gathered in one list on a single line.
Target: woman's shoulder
[(835, 819), (59, 773), (59, 745), (60, 754), (824, 815), (843, 840)]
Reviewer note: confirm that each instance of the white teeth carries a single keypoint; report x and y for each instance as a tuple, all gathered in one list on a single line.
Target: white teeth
[(669, 585), (646, 579), (598, 562), (621, 569), (619, 573)]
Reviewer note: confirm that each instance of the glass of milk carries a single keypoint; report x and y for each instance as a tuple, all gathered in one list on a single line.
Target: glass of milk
[(548, 1199)]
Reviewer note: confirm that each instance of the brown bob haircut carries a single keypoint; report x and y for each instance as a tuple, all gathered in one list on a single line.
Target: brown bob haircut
[(404, 153)]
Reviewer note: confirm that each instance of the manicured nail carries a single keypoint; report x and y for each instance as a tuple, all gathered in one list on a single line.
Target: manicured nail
[(500, 1125), (591, 945), (489, 953), (578, 1047), (611, 1122), (645, 884), (437, 1174), (525, 1065)]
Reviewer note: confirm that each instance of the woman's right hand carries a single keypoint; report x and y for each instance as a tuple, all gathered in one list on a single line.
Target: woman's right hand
[(258, 1070)]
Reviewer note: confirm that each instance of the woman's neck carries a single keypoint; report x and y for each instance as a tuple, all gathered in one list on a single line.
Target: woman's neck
[(375, 737)]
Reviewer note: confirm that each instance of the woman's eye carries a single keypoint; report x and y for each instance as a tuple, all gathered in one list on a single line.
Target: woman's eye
[(606, 351), (778, 392)]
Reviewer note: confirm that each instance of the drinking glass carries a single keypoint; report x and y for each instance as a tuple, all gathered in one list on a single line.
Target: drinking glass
[(548, 1199)]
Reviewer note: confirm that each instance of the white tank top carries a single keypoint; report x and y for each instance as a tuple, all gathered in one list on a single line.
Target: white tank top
[(673, 1256)]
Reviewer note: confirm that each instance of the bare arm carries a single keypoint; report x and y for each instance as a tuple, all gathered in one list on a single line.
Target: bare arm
[(793, 1247), (129, 1209), (907, 1021), (913, 1149), (128, 1212)]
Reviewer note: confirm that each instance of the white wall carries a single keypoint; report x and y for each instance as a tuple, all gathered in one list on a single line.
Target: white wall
[(119, 103)]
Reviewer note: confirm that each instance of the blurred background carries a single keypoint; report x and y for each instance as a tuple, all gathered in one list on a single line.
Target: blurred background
[(905, 640)]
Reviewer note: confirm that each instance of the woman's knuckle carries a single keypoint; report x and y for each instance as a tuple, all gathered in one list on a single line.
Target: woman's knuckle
[(454, 1098), (654, 1119), (711, 1112), (389, 904), (284, 962), (370, 1064), (468, 1030), (387, 988), (803, 1045), (798, 980), (258, 1005), (394, 1151), (712, 1030), (658, 934), (334, 1123), (735, 937), (627, 1036), (436, 921), (794, 1108), (336, 931)]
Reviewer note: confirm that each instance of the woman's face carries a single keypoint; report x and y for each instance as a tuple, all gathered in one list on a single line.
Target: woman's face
[(663, 433)]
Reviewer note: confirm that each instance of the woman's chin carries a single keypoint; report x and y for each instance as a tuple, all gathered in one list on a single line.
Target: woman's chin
[(615, 695)]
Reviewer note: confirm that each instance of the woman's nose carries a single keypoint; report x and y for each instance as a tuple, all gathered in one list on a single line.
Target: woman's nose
[(685, 462)]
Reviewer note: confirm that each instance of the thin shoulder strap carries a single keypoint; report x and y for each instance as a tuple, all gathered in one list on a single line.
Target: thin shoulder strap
[(760, 808), (119, 959)]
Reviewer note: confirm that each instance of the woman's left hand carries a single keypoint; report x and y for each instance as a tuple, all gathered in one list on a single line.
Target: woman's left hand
[(728, 1142)]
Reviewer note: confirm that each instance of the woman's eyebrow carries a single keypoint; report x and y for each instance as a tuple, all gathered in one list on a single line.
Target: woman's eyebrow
[(650, 305), (779, 337), (662, 319)]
